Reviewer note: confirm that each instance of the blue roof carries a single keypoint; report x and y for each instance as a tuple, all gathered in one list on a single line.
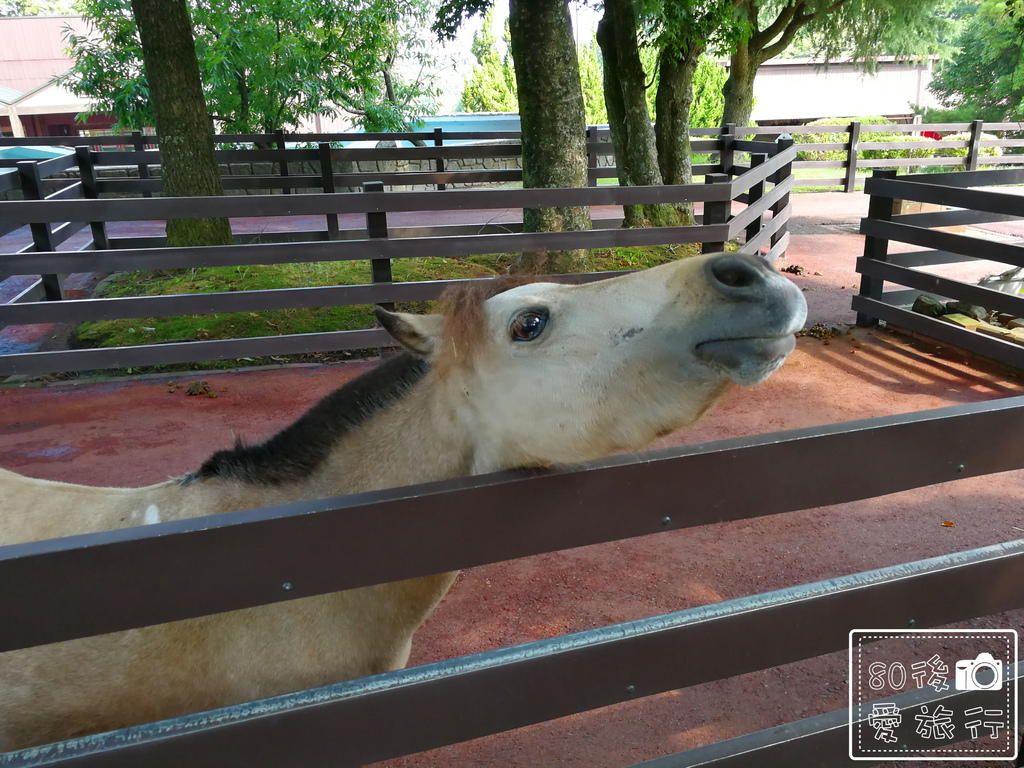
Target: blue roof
[(9, 95), (472, 122), (32, 153)]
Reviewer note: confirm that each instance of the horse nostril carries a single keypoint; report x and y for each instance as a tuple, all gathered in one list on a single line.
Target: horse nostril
[(735, 275)]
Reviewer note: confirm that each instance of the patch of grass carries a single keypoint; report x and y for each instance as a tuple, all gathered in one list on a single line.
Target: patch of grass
[(157, 330), (827, 173), (640, 257)]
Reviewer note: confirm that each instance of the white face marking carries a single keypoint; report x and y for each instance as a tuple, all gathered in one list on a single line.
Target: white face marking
[(152, 515)]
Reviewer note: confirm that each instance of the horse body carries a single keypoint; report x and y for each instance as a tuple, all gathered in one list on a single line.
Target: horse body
[(95, 684), (537, 375)]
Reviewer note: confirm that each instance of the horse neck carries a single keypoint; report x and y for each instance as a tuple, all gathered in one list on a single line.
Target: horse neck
[(418, 439)]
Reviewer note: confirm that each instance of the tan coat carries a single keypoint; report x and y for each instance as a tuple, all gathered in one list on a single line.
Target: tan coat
[(537, 375)]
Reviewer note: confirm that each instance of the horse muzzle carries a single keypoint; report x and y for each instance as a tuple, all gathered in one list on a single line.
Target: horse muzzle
[(757, 320)]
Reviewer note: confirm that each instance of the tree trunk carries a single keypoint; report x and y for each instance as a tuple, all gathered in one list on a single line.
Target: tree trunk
[(739, 88), (188, 164), (672, 105), (554, 131), (630, 122), (613, 102)]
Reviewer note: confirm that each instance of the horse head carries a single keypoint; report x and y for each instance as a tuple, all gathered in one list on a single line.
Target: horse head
[(546, 373)]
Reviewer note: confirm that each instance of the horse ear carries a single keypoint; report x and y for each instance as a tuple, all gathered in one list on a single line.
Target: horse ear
[(420, 334)]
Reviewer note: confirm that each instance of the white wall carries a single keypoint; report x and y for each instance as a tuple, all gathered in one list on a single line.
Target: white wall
[(798, 89)]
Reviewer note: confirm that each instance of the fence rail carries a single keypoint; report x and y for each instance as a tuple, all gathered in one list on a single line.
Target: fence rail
[(129, 150), (879, 267), (77, 586), (763, 187)]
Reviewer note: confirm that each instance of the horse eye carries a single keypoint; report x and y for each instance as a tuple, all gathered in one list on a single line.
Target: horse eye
[(528, 326)]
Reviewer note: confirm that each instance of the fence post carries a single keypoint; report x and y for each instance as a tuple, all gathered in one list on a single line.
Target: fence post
[(592, 157), (327, 182), (726, 155), (42, 235), (875, 248), (439, 142), (377, 227), (715, 212), (279, 140), (974, 146), (87, 173), (755, 193), (851, 158), (140, 146), (780, 175)]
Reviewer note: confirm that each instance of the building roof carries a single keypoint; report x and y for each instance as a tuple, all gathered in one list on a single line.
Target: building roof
[(32, 50)]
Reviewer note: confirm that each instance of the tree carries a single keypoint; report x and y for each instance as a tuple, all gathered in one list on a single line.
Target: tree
[(592, 83), (492, 86), (706, 111), (553, 129), (674, 35), (682, 31), (410, 48), (551, 111), (186, 141), (628, 117), (270, 67), (864, 28), (986, 78)]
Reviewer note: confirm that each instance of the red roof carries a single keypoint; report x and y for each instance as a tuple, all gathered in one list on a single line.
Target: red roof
[(32, 49)]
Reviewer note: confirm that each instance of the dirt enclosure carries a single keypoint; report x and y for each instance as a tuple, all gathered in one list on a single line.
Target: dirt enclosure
[(142, 431)]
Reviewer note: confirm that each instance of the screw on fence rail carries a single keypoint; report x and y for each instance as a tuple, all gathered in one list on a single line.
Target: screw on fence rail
[(875, 248), (90, 189), (593, 161), (377, 227), (439, 166), (279, 141), (755, 193), (783, 202), (140, 146), (850, 184), (327, 181), (974, 146), (727, 154), (42, 235), (715, 212)]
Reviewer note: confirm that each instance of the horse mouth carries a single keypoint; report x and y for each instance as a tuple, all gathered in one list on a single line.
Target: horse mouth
[(747, 360)]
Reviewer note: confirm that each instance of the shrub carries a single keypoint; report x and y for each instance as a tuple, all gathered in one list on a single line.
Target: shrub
[(983, 151), (863, 154), (821, 138), (893, 154)]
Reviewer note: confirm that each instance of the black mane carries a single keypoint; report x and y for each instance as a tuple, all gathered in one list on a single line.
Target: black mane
[(296, 451)]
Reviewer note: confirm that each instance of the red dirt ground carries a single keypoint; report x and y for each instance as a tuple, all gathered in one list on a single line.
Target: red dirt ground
[(136, 432)]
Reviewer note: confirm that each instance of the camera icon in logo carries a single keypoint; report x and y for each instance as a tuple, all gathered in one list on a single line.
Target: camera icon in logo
[(982, 674)]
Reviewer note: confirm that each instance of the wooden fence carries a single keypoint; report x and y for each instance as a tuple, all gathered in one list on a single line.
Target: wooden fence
[(858, 141), (879, 267), (85, 585), (82, 586), (763, 186), (852, 139)]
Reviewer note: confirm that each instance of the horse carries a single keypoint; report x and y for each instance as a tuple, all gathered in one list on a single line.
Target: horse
[(529, 376)]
